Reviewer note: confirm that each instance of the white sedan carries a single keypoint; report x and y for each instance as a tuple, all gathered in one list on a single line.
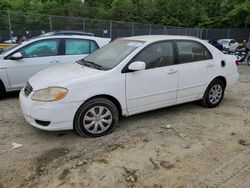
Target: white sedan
[(229, 44), (126, 77), (19, 63)]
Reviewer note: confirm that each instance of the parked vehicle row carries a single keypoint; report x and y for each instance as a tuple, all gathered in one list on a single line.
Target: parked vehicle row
[(232, 47), (126, 77), (20, 62)]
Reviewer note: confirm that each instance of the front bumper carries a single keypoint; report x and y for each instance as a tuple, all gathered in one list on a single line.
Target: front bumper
[(59, 115)]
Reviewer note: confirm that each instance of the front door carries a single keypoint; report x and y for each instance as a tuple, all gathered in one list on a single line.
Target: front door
[(156, 86), (36, 57)]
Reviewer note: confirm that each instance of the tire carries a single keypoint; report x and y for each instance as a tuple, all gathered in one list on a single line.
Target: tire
[(90, 122), (213, 94), (2, 90)]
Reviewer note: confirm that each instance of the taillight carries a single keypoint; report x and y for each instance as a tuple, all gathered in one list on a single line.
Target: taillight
[(237, 62)]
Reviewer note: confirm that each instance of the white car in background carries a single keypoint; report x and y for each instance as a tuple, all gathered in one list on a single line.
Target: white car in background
[(126, 77), (18, 63), (229, 44)]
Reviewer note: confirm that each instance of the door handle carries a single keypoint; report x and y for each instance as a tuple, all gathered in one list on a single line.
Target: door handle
[(172, 71), (3, 68), (209, 65)]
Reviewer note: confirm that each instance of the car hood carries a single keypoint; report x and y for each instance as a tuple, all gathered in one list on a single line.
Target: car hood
[(65, 75)]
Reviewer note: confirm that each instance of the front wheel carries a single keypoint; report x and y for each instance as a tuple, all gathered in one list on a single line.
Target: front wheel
[(97, 117), (214, 94)]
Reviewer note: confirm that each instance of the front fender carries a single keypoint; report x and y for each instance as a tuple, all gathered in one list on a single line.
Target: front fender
[(114, 87)]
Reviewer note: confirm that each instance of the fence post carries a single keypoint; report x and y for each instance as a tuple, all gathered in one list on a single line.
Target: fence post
[(50, 23), (228, 33), (110, 29), (164, 31), (132, 29), (150, 29), (9, 22), (198, 32), (206, 33), (83, 24), (201, 31)]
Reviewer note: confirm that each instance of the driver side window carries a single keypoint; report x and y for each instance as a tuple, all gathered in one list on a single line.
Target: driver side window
[(157, 55), (41, 49)]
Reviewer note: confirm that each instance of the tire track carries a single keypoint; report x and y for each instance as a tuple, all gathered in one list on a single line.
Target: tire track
[(233, 173)]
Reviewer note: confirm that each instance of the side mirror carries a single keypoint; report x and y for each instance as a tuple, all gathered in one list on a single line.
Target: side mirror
[(137, 66), (16, 56)]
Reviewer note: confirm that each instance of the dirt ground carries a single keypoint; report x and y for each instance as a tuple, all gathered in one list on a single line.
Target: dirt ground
[(182, 146)]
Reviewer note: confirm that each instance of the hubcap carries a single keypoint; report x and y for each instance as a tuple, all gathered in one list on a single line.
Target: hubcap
[(97, 120), (215, 94)]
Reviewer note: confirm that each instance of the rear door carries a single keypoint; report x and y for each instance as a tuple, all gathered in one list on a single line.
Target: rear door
[(196, 67), (76, 49)]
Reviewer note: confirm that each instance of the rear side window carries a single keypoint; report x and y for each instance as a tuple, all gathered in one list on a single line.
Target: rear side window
[(79, 46), (190, 51)]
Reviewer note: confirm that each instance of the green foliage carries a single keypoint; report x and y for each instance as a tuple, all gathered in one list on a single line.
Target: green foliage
[(192, 13)]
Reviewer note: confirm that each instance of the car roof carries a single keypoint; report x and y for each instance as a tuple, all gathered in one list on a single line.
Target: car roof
[(66, 36), (152, 38), (67, 32), (226, 39)]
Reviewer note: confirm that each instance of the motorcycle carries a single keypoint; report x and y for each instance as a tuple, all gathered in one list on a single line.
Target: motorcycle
[(241, 55)]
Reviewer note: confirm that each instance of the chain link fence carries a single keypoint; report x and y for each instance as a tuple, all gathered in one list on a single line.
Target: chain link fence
[(32, 24)]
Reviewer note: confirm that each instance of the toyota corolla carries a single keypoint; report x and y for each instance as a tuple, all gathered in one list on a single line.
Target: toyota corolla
[(126, 77)]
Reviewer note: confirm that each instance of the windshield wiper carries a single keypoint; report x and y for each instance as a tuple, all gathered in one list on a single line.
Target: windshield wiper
[(91, 64)]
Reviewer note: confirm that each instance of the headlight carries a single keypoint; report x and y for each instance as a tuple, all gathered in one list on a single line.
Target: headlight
[(49, 94)]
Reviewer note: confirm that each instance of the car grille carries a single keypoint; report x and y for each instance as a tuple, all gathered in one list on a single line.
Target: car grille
[(28, 89)]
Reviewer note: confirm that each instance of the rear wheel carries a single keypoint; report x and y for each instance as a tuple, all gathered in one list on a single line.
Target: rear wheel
[(97, 117), (2, 90), (214, 94)]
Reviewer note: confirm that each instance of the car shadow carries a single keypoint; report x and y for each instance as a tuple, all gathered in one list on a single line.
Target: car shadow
[(13, 94)]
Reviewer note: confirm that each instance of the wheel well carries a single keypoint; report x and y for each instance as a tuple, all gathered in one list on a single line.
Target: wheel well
[(112, 99), (2, 86), (223, 79)]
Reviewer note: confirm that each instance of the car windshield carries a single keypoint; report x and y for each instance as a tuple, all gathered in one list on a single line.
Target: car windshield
[(110, 55)]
